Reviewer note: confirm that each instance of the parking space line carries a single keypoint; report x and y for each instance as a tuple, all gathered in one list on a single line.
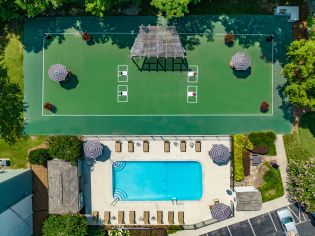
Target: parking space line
[(273, 222), (293, 213), (251, 227), (229, 230)]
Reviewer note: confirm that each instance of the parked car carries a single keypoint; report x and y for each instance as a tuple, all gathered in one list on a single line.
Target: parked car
[(287, 222)]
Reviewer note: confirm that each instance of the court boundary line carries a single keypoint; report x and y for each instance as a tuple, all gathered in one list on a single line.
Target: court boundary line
[(196, 88), (120, 76), (155, 115), (197, 71), (118, 96)]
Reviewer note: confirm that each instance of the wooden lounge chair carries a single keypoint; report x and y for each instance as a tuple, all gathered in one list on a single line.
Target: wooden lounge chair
[(160, 217), (145, 146), (95, 216), (117, 146), (181, 218), (121, 216), (132, 216), (171, 217), (167, 146), (146, 217), (183, 146), (130, 146), (198, 146), (107, 217)]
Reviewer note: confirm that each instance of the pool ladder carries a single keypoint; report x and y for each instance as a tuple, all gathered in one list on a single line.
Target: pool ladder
[(174, 201), (115, 201)]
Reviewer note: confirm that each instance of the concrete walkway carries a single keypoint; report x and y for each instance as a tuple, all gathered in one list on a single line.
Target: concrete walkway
[(266, 207)]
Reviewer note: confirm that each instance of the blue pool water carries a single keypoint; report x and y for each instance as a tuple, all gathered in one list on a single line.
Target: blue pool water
[(157, 180)]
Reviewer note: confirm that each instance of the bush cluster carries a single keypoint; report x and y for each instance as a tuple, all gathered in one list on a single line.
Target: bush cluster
[(262, 140), (39, 156)]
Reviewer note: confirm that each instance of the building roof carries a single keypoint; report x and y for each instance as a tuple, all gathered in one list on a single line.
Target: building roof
[(248, 201), (63, 187), (157, 41)]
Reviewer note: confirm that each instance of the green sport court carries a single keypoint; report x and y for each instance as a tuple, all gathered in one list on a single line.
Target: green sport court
[(157, 101)]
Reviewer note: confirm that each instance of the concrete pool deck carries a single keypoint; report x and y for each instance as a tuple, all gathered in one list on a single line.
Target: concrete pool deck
[(98, 179)]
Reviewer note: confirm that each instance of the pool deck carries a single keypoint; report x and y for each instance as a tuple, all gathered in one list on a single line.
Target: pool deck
[(98, 179)]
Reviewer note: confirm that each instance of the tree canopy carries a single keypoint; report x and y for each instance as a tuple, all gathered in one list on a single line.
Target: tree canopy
[(300, 73), (170, 9), (65, 225)]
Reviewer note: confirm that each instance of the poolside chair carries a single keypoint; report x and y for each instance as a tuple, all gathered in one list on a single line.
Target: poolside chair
[(167, 146), (121, 216), (132, 217), (181, 218), (183, 146), (198, 146), (95, 216), (160, 217), (145, 146), (216, 201), (146, 217), (130, 146), (117, 146), (106, 217), (171, 217)]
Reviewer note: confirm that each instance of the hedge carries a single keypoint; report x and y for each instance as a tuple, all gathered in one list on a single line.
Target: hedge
[(246, 163), (39, 156), (264, 139)]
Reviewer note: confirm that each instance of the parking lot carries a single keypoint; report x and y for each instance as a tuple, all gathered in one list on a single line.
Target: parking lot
[(267, 224)]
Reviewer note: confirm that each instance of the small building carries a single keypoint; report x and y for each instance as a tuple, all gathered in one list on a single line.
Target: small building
[(291, 11), (16, 214), (248, 198), (65, 187)]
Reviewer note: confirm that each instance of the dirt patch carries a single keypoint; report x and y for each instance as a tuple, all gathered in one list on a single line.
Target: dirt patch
[(40, 197)]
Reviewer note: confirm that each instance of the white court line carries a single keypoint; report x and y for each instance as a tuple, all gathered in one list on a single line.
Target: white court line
[(122, 88), (229, 230), (195, 90), (273, 222), (193, 68), (43, 85), (272, 48), (251, 227), (121, 68)]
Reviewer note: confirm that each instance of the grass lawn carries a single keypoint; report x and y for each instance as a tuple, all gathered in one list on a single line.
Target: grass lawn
[(306, 132), (18, 152), (272, 187)]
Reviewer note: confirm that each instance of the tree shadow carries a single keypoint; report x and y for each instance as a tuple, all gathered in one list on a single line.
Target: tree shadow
[(242, 74), (71, 83), (286, 107), (307, 121)]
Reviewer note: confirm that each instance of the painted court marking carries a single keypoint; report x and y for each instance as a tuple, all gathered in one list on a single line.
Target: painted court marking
[(192, 89), (120, 97), (177, 115), (193, 79), (121, 69)]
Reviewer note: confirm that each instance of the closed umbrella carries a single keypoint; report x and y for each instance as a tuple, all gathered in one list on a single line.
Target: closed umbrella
[(58, 72), (241, 61), (219, 153), (221, 211), (92, 149)]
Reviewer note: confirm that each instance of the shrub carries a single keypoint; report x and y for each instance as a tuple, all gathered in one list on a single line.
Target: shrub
[(65, 225), (172, 229), (263, 150), (118, 232), (240, 144), (39, 157), (264, 139), (264, 107), (68, 148), (246, 163), (229, 38)]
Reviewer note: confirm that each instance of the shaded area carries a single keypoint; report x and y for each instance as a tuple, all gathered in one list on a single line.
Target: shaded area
[(71, 83), (242, 74), (306, 132)]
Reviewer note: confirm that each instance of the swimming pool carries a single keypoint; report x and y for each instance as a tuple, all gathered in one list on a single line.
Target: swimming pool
[(157, 180)]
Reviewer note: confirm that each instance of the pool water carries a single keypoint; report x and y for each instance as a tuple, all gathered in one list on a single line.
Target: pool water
[(157, 180)]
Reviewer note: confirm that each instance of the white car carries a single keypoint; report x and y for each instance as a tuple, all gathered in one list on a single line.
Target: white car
[(287, 222)]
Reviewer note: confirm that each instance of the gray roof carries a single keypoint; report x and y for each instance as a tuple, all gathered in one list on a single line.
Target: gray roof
[(63, 187), (248, 201), (157, 41)]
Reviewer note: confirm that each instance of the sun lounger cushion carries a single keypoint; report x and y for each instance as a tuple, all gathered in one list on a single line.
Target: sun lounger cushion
[(146, 146), (166, 146), (118, 146), (171, 217), (160, 217), (183, 146), (107, 217), (146, 216), (181, 218), (198, 146), (130, 146)]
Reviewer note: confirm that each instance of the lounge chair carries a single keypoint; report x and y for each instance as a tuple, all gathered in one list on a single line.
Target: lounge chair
[(146, 217), (167, 146), (107, 217), (132, 216), (171, 217), (183, 146), (145, 146), (198, 146), (121, 216), (216, 201), (95, 216), (160, 217), (117, 146), (181, 218), (130, 146)]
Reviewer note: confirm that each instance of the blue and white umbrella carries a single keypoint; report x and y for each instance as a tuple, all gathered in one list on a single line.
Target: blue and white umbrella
[(241, 61), (221, 211), (92, 149), (219, 153), (58, 72)]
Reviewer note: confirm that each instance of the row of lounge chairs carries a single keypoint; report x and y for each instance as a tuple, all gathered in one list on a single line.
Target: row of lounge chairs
[(167, 146), (145, 219)]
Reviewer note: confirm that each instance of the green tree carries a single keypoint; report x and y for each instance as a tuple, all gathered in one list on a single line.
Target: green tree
[(65, 225), (39, 156), (301, 184), (68, 148), (11, 108), (300, 73), (173, 8), (8, 10), (35, 7), (99, 7)]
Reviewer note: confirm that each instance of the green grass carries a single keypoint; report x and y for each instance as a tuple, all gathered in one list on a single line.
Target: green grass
[(264, 139), (306, 132), (293, 147), (272, 187), (18, 152)]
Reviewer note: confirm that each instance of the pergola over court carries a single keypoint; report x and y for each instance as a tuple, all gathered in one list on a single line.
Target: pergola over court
[(160, 47)]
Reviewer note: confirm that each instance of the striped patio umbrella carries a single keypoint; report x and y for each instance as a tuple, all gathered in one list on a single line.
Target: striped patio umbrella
[(92, 149), (241, 61), (58, 72), (219, 153), (221, 211)]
